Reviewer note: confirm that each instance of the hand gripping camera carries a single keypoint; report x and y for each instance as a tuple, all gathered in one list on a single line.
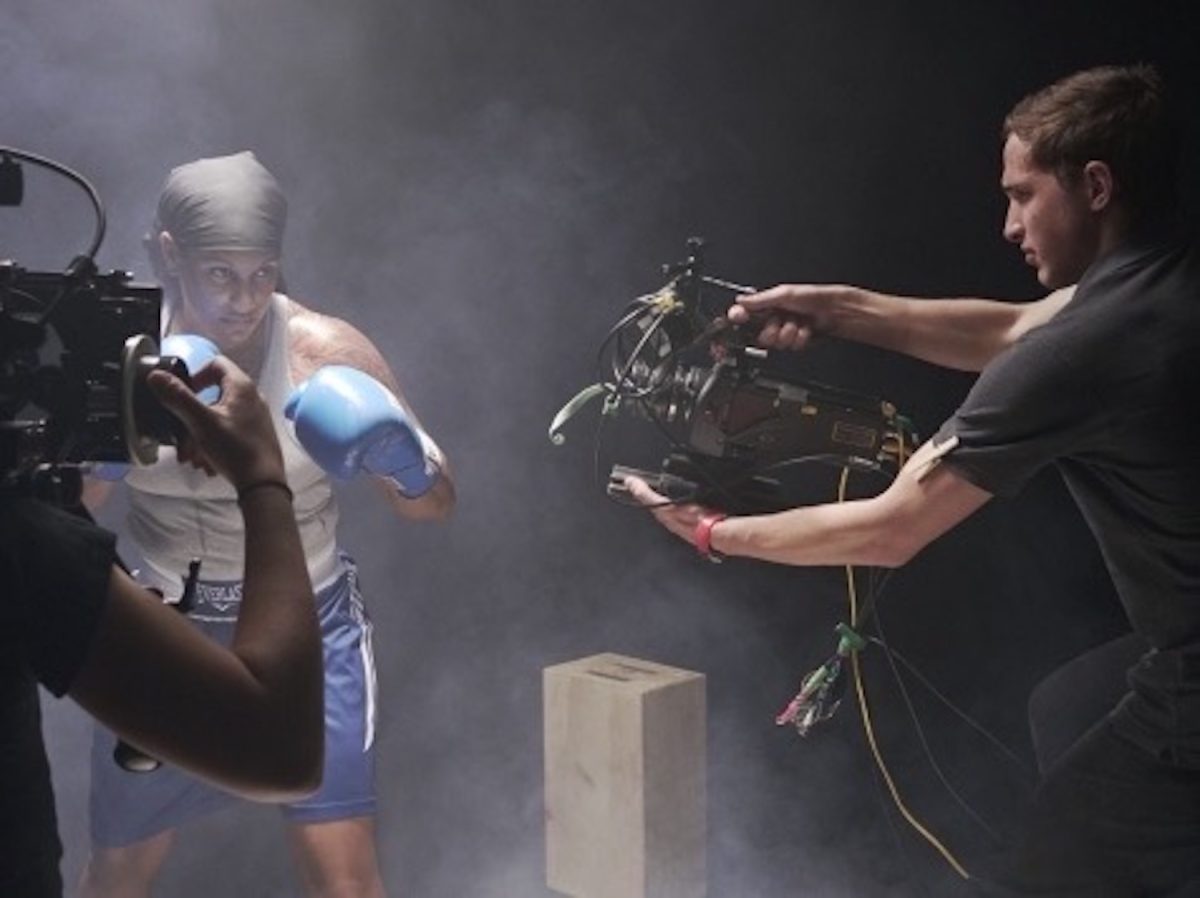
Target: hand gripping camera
[(75, 351), (733, 423)]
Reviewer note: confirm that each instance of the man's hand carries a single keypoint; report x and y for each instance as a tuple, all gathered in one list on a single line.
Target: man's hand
[(789, 314), (234, 436), (680, 519)]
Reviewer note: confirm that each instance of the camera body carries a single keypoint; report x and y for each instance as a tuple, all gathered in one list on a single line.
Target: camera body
[(735, 424), (74, 354), (76, 348), (736, 428)]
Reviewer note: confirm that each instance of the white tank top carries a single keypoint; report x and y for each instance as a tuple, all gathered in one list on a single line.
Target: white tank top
[(177, 513)]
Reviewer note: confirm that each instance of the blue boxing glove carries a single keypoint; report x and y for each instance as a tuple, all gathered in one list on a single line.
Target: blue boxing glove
[(110, 471), (348, 421), (195, 352)]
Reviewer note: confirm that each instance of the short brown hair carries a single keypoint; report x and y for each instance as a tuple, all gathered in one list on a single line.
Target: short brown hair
[(1113, 114)]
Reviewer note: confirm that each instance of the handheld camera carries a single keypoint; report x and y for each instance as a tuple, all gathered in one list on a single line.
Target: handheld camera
[(733, 423), (76, 348)]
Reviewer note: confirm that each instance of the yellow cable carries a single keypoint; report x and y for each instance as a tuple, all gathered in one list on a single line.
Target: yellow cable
[(929, 837)]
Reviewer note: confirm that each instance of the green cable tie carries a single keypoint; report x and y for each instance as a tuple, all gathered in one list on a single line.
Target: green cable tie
[(848, 641)]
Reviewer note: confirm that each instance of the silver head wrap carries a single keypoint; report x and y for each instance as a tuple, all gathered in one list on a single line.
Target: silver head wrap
[(223, 203)]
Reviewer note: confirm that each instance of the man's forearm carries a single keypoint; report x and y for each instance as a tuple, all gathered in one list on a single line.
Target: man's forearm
[(276, 579), (964, 334), (886, 530), (276, 635), (249, 719), (849, 533)]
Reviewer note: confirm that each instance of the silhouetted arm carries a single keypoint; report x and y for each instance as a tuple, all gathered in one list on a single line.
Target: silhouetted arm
[(250, 718)]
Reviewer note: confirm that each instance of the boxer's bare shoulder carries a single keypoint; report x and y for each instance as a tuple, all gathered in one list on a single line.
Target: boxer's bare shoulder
[(315, 340)]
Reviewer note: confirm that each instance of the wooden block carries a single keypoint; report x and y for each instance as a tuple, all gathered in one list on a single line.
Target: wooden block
[(625, 779)]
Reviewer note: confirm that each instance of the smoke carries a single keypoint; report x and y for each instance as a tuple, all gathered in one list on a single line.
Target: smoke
[(480, 188)]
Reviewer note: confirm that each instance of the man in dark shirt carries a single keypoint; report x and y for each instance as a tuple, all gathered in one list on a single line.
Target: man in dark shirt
[(1095, 379), (55, 568), (71, 619)]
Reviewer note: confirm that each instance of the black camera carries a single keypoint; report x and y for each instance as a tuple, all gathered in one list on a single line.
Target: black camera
[(734, 422), (76, 348)]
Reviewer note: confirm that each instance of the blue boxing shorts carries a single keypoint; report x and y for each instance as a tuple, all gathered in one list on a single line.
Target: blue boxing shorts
[(127, 807)]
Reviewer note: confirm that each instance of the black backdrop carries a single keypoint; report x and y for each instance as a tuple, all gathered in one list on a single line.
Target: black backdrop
[(480, 187)]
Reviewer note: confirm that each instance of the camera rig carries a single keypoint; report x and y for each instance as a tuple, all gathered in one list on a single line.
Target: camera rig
[(733, 422), (75, 351)]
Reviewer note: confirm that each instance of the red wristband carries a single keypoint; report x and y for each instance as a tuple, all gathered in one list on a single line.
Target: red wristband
[(702, 535)]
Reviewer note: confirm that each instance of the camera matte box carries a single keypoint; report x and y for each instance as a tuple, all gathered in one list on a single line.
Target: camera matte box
[(625, 779)]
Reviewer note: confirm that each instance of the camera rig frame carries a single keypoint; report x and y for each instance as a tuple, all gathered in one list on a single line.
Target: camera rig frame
[(733, 423)]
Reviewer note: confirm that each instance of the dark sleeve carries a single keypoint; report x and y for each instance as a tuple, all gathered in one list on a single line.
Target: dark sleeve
[(56, 570), (1035, 403)]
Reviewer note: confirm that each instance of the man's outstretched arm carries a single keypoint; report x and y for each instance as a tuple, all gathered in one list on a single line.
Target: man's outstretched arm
[(964, 333), (923, 502)]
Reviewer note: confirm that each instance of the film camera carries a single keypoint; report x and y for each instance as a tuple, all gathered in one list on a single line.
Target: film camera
[(76, 348), (75, 351), (734, 423)]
